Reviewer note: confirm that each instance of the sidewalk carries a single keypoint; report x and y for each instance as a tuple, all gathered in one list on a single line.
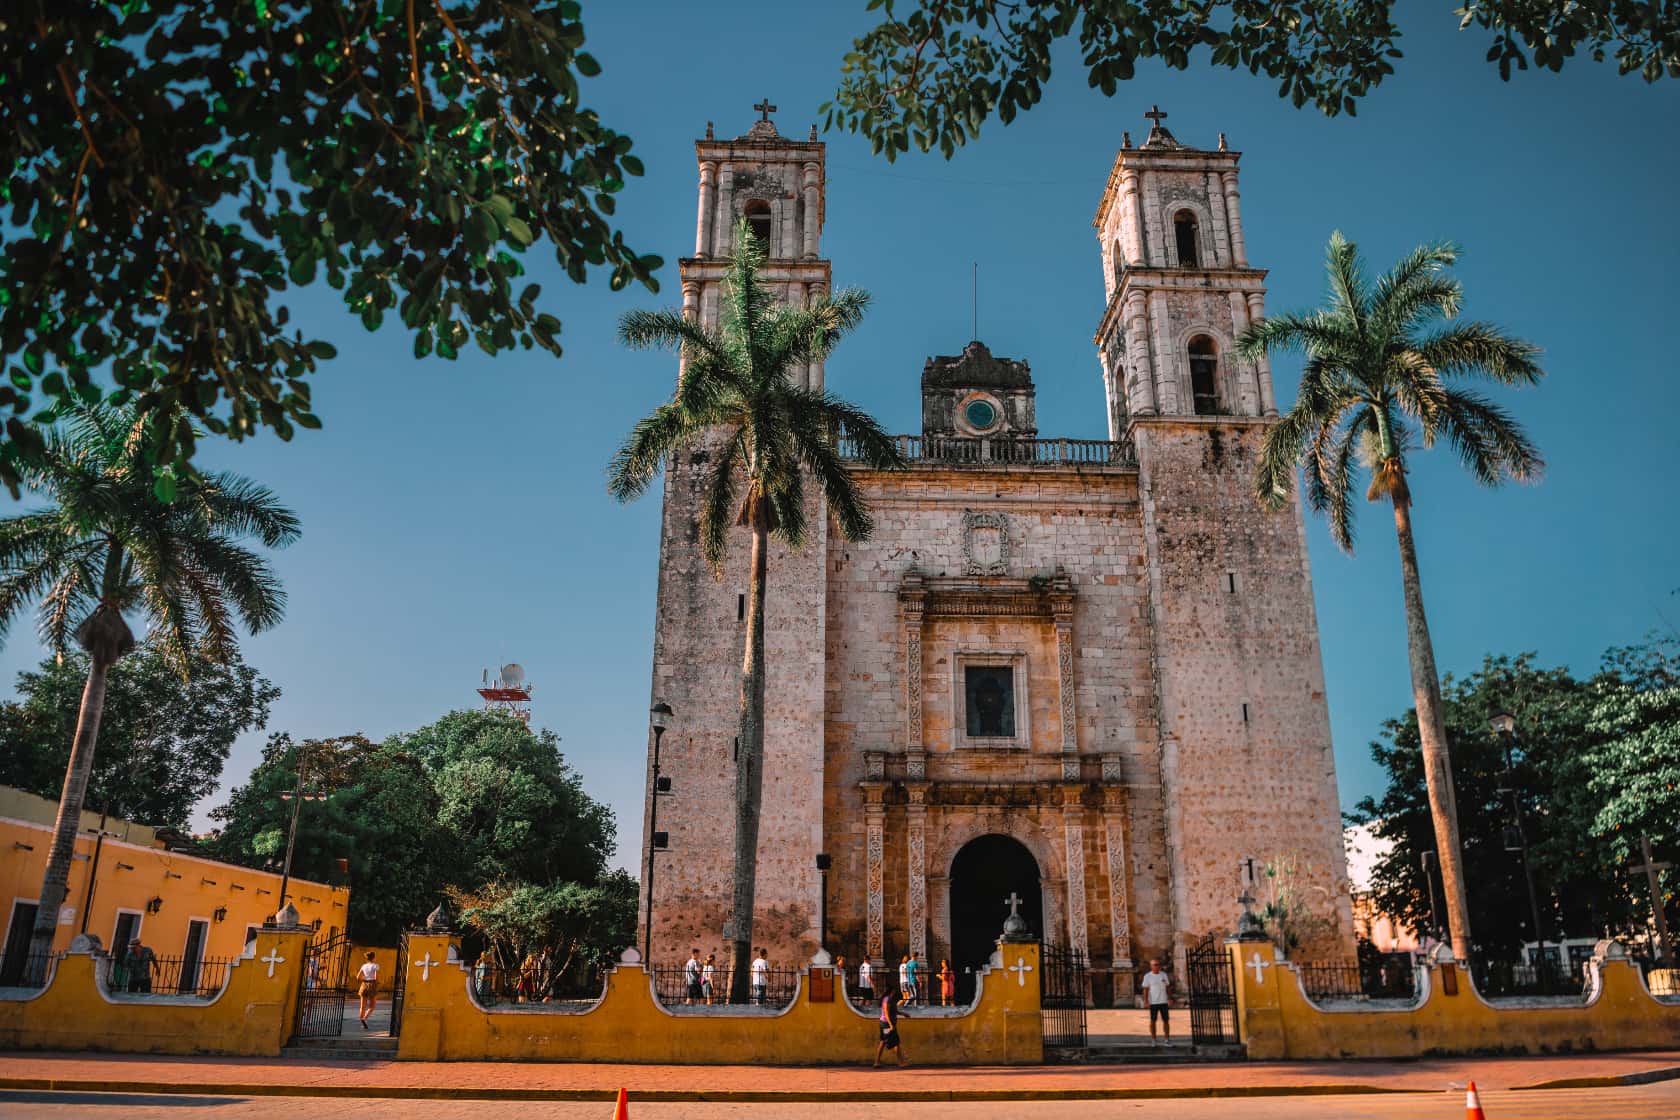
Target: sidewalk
[(553, 1081)]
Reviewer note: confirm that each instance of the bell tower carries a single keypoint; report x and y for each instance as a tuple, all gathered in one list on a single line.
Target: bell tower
[(776, 184), (1244, 757)]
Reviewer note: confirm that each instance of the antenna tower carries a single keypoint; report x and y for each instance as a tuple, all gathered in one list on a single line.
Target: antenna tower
[(510, 692)]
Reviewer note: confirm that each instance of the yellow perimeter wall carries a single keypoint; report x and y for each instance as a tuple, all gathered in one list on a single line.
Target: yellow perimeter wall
[(132, 872), (253, 1015), (441, 1020), (1277, 1020)]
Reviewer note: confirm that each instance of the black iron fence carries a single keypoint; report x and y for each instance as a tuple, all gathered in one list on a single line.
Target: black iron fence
[(533, 982), (929, 989), (1496, 978), (194, 977), (1394, 976), (675, 986), (31, 970)]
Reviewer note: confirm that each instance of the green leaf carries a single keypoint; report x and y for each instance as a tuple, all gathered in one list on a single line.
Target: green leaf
[(518, 232)]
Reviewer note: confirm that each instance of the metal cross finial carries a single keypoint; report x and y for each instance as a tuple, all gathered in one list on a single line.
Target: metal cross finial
[(1156, 115), (1246, 899), (1014, 900), (765, 109)]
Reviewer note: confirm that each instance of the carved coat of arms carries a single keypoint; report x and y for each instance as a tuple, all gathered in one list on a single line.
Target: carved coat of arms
[(985, 544)]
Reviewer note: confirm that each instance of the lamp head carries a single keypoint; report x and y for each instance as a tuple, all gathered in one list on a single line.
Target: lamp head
[(660, 716), (1502, 722)]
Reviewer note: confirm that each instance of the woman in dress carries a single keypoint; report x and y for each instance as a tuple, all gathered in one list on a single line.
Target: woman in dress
[(947, 984)]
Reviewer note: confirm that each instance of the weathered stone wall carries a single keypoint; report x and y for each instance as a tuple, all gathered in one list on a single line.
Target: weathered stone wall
[(1235, 631), (1087, 523)]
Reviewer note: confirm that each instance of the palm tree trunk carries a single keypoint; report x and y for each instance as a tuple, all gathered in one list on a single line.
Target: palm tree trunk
[(55, 884), (749, 772), (1432, 732)]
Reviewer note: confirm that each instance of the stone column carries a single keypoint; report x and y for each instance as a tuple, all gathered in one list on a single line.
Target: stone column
[(1129, 189), (1142, 389), (1114, 844), (787, 244), (723, 236), (815, 292), (1262, 368), (1248, 388), (813, 208), (912, 601), (1166, 359), (1073, 832), (874, 825), (708, 208), (1061, 607), (1218, 236), (1233, 218), (915, 818)]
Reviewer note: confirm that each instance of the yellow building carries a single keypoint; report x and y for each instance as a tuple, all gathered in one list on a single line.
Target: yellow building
[(181, 906)]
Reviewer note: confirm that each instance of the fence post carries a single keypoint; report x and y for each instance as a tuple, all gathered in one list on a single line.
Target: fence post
[(1259, 1004)]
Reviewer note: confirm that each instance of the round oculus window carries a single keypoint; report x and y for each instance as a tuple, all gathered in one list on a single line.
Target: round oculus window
[(980, 414)]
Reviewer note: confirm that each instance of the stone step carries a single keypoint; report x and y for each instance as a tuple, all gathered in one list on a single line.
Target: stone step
[(342, 1049), (1162, 1055)]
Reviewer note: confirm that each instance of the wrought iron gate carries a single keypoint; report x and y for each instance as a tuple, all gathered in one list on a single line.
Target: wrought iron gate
[(399, 985), (325, 987), (1064, 990), (1212, 985)]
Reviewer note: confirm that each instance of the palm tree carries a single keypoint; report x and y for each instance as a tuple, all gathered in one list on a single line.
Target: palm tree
[(122, 536), (735, 395), (1381, 379)]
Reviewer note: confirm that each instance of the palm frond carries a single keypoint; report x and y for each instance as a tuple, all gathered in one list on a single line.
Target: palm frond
[(1415, 282), (1488, 440), (1350, 295), (639, 459), (1481, 349), (238, 505), (717, 508)]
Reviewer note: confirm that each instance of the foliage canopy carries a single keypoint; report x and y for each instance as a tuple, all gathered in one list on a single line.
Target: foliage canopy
[(932, 72), (177, 166)]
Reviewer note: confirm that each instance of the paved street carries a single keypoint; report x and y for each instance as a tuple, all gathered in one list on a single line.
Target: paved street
[(1660, 1101)]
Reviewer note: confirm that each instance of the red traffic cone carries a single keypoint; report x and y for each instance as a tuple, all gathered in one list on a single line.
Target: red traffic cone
[(621, 1111), (1472, 1104)]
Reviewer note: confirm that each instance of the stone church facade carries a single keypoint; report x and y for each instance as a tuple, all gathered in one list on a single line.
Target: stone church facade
[(1083, 674)]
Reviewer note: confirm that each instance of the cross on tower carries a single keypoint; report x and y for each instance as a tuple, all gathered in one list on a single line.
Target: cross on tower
[(1156, 115), (765, 109), (1014, 900)]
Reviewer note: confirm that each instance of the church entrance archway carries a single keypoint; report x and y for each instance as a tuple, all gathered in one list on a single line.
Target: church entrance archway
[(985, 873)]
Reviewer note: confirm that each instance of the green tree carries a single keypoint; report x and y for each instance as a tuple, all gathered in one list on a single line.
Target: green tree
[(735, 395), (110, 543), (175, 167), (163, 739), (1379, 373), (933, 71), (581, 928), (1553, 771), (473, 799)]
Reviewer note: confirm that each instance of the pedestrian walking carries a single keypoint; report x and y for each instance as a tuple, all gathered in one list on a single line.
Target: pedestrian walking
[(692, 989), (708, 986), (141, 962), (368, 974), (913, 969), (761, 976), (905, 991), (889, 1031), (866, 981), (947, 984), (1156, 986)]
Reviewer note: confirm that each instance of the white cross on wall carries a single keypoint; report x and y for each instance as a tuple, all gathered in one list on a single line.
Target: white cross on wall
[(425, 965), (271, 960), (1020, 968), (1259, 966)]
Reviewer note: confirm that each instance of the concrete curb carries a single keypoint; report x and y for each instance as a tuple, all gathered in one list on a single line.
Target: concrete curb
[(1642, 1077), (719, 1096)]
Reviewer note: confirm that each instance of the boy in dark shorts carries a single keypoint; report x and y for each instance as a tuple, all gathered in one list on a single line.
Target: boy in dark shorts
[(1157, 987)]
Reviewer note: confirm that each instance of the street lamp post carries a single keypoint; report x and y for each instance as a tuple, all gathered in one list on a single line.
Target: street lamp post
[(1504, 724), (297, 798), (660, 716)]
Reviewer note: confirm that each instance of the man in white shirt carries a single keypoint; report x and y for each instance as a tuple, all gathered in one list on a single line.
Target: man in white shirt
[(760, 976), (866, 981), (1157, 987)]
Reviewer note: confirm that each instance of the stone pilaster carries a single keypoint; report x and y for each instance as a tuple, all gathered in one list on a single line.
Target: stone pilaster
[(1167, 364), (1073, 832), (1142, 388), (1129, 186), (708, 209), (813, 207), (912, 599), (874, 827), (915, 815), (1262, 368), (1114, 844), (1061, 607), (1233, 217)]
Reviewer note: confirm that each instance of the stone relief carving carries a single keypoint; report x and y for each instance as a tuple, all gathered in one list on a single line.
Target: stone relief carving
[(985, 543), (913, 686), (1182, 192), (1077, 939), (1116, 844), (874, 874), (916, 847)]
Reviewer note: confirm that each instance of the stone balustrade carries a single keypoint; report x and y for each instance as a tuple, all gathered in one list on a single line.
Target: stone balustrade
[(1014, 453)]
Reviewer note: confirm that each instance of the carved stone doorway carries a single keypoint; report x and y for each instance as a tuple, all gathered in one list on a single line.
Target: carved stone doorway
[(985, 873)]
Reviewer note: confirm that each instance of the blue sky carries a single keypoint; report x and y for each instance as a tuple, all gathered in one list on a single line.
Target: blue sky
[(455, 514)]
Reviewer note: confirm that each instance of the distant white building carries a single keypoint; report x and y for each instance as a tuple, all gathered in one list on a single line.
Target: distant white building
[(1384, 931)]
